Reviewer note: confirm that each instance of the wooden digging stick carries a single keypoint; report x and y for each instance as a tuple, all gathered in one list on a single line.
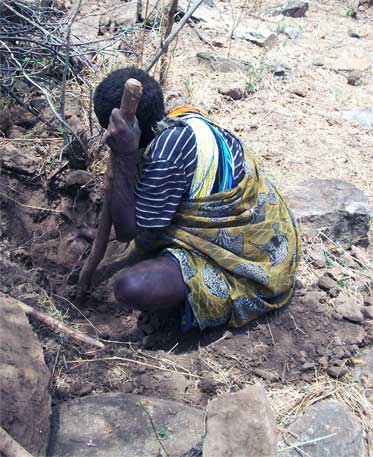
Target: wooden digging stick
[(52, 323), (131, 95)]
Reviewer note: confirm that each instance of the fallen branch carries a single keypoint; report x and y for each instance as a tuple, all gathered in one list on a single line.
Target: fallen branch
[(128, 106), (52, 323), (166, 43), (9, 447)]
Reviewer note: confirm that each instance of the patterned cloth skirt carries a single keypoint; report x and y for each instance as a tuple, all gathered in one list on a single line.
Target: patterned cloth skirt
[(238, 251)]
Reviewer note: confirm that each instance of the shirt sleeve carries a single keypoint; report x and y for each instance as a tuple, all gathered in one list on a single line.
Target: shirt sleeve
[(162, 182)]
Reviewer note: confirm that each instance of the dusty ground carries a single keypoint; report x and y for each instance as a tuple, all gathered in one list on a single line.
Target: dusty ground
[(293, 351)]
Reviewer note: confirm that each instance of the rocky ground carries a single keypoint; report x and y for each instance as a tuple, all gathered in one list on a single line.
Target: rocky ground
[(298, 90)]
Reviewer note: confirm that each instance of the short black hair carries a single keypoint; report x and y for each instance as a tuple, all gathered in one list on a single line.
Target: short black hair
[(151, 109)]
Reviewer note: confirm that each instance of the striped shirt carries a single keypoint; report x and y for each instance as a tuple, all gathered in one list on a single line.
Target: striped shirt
[(168, 170)]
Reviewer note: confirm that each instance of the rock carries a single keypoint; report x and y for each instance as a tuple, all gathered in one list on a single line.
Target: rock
[(294, 8), (299, 89), (118, 424), (267, 375), (25, 403), (327, 283), (78, 178), (280, 71), (363, 371), (317, 260), (71, 250), (337, 207), (355, 78), (240, 425), (207, 12), (367, 312), (361, 116), (348, 308), (308, 366), (263, 38), (336, 371), (291, 33), (368, 301), (15, 132), (221, 64), (328, 418), (236, 92), (17, 160), (345, 62), (351, 333), (5, 121)]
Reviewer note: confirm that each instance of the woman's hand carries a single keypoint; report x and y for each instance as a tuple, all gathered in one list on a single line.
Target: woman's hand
[(122, 139)]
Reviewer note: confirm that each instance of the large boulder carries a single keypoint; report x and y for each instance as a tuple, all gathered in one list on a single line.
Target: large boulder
[(326, 430), (241, 424), (25, 403), (332, 206), (118, 425)]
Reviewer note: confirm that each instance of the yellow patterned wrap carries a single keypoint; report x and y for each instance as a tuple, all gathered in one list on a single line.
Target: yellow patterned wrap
[(238, 251)]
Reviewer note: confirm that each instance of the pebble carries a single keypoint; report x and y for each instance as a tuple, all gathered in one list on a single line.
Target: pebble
[(349, 309), (367, 312), (336, 371), (298, 89), (326, 283), (267, 375)]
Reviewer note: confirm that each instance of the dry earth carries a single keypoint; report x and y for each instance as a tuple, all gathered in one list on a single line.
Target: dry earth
[(302, 353)]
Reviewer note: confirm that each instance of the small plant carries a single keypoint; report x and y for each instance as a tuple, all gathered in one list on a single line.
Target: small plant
[(351, 12)]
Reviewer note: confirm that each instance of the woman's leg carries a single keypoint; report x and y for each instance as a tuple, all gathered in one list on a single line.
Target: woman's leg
[(150, 285)]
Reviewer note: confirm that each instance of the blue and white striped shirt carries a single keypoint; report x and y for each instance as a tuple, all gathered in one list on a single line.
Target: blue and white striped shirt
[(168, 170)]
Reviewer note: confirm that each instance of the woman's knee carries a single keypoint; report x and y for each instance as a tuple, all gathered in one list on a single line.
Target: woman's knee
[(128, 289)]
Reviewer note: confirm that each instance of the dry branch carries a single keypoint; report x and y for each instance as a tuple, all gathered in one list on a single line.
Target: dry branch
[(52, 323), (9, 447), (170, 23), (166, 43), (128, 106)]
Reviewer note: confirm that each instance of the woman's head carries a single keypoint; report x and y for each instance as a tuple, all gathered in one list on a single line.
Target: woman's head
[(108, 95)]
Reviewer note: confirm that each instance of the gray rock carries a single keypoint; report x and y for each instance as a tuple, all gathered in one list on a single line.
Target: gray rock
[(367, 312), (291, 33), (118, 425), (363, 372), (337, 207), (280, 71), (221, 64), (317, 260), (234, 91), (78, 178), (337, 371), (241, 425), (25, 403), (294, 8), (264, 39), (330, 430), (355, 78), (18, 161), (326, 283), (351, 333), (299, 89), (361, 116), (348, 308)]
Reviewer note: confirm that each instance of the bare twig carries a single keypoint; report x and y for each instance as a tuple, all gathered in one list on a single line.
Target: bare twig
[(9, 447), (154, 429), (51, 322), (164, 46), (67, 69), (170, 23)]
